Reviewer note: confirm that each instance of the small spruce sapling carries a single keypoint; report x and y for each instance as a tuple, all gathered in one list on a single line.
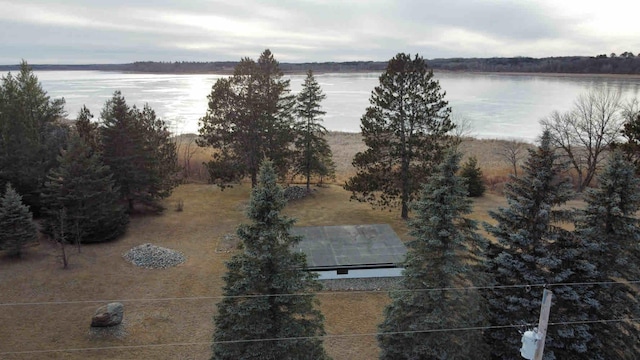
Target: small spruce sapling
[(16, 225), (473, 174)]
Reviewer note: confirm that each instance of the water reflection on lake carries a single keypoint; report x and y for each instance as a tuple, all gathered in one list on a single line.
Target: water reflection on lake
[(496, 105)]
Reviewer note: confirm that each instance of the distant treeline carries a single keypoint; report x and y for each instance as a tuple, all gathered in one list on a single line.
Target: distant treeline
[(215, 67), (601, 64)]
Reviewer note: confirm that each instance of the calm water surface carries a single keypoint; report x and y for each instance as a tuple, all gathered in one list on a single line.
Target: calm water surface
[(496, 105)]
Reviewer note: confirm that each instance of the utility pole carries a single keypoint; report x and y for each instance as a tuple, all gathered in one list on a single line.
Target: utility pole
[(542, 323)]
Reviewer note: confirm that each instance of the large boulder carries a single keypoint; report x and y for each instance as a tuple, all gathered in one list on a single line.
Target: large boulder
[(108, 315)]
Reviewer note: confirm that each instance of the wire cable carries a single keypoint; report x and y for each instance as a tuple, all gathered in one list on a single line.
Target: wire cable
[(318, 337), (324, 293)]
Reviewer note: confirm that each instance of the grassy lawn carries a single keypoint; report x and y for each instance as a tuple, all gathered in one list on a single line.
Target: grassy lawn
[(99, 273), (176, 305)]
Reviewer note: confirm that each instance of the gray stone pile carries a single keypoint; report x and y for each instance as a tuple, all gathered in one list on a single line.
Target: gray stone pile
[(150, 256), (295, 193), (381, 283)]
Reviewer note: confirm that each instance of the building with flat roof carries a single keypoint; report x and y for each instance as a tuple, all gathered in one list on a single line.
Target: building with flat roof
[(351, 251)]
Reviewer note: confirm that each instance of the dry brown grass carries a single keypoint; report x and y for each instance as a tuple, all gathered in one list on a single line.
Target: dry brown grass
[(344, 147), (191, 158), (495, 169), (100, 273)]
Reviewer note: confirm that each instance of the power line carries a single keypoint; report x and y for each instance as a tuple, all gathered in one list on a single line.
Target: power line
[(318, 337), (119, 347), (324, 293)]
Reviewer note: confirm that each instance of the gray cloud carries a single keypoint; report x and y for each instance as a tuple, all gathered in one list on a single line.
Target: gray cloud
[(304, 30), (518, 20)]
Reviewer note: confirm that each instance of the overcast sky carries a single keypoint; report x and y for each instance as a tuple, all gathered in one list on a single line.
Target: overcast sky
[(121, 31)]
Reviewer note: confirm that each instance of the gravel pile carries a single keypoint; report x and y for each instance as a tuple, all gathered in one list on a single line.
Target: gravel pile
[(381, 283), (295, 193), (150, 256)]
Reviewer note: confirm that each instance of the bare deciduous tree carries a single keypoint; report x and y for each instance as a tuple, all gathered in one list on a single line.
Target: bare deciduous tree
[(186, 147), (464, 128), (512, 152), (587, 131)]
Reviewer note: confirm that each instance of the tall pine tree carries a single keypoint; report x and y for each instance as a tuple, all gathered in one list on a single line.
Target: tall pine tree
[(84, 189), (266, 292), (30, 137), (250, 117), (161, 162), (16, 225), (441, 255), (137, 146), (533, 249), (609, 229), (313, 154), (88, 130), (405, 130)]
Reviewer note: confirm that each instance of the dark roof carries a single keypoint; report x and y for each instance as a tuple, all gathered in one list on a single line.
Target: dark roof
[(350, 246)]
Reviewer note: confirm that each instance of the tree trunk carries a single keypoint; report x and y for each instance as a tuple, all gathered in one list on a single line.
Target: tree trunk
[(65, 260), (588, 178), (406, 184), (308, 153), (580, 185), (405, 211)]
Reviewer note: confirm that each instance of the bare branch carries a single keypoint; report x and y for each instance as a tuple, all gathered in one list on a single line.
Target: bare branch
[(512, 152), (587, 131)]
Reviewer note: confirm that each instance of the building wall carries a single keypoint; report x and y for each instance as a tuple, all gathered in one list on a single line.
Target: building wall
[(360, 273)]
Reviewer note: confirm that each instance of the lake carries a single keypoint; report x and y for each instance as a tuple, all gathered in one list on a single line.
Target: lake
[(496, 105)]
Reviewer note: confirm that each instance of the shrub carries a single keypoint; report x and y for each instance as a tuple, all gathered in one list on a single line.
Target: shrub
[(179, 205), (16, 224), (472, 173)]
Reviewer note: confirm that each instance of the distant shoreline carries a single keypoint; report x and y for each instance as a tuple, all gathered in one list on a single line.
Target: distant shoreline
[(600, 65), (599, 75), (436, 71)]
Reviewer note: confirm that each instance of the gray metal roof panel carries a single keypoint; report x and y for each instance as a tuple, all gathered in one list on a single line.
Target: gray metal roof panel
[(350, 245)]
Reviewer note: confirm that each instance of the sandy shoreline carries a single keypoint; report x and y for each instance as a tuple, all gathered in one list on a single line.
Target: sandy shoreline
[(435, 71), (546, 74), (325, 72)]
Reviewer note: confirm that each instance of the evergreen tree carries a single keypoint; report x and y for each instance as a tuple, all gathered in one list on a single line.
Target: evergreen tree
[(16, 224), (87, 130), (405, 130), (473, 174), (313, 154), (609, 229), (84, 189), (250, 117), (252, 308), (162, 160), (329, 167), (137, 146), (631, 133), (122, 147), (532, 249), (30, 137), (445, 245)]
